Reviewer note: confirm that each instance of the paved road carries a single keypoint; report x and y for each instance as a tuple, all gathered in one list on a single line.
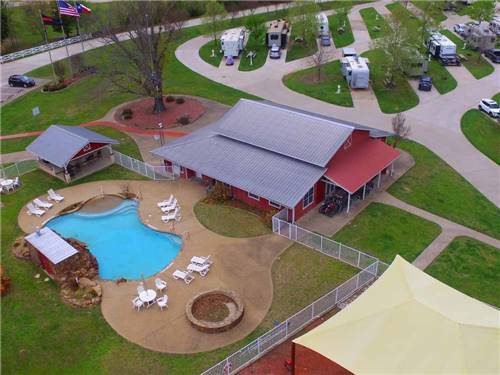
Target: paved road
[(435, 121)]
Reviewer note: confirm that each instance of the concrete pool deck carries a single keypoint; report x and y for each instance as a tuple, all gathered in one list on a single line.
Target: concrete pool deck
[(240, 264)]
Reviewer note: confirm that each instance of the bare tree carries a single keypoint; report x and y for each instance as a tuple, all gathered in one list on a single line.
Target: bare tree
[(215, 13), (400, 128), (137, 64), (318, 59), (304, 22), (429, 17)]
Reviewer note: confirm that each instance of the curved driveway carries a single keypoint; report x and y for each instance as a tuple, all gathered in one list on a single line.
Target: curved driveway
[(435, 122)]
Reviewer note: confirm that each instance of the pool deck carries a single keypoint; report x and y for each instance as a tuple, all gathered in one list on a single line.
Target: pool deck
[(240, 264)]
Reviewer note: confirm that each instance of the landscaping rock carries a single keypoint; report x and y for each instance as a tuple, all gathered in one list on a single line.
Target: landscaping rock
[(20, 249), (97, 290), (83, 283)]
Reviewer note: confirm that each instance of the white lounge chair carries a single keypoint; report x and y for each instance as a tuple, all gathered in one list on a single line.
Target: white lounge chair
[(176, 215), (53, 196), (32, 210), (16, 183), (202, 270), (201, 261), (42, 204), (172, 206), (160, 284), (162, 302), (167, 202), (181, 275), (137, 303)]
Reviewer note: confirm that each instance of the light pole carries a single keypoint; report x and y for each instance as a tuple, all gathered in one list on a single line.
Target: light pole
[(162, 141)]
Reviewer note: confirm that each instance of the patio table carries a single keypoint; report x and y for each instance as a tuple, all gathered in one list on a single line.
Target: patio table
[(147, 296)]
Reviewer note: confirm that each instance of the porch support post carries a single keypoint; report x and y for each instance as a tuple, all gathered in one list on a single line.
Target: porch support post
[(348, 202), (392, 168), (293, 215), (378, 179), (293, 358), (364, 191)]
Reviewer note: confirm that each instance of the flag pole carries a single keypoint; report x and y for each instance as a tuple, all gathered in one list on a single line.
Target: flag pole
[(78, 27), (64, 36), (47, 42)]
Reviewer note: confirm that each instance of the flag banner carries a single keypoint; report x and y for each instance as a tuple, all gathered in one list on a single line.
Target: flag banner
[(66, 9), (50, 21), (83, 9)]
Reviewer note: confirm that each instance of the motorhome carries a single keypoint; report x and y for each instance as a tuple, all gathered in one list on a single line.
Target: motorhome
[(356, 72), (440, 46), (232, 42), (479, 36), (322, 20), (277, 33)]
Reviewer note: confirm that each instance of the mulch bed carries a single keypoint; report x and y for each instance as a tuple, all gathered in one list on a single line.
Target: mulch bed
[(144, 118), (211, 308)]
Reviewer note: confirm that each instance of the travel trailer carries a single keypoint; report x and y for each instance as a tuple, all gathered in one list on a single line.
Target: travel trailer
[(232, 42), (480, 36), (416, 64), (495, 25), (355, 70), (277, 33), (440, 46)]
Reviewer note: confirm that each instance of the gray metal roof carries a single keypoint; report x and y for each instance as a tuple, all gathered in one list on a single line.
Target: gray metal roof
[(270, 175), (302, 136), (51, 245), (59, 143)]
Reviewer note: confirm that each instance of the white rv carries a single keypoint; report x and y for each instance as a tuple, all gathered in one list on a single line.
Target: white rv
[(356, 72), (232, 42), (322, 20), (495, 25), (440, 46)]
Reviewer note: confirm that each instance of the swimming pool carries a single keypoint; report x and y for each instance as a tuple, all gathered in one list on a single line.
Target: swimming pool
[(122, 244)]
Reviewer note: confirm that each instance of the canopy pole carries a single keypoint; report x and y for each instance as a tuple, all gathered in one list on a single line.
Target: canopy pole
[(378, 179), (364, 191), (348, 202)]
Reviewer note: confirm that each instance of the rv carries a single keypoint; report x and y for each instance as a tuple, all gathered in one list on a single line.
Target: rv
[(355, 70), (232, 42), (277, 33), (495, 25), (479, 36), (415, 64), (440, 46), (322, 20)]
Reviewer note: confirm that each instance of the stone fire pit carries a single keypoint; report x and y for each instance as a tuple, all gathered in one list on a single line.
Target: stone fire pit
[(214, 311)]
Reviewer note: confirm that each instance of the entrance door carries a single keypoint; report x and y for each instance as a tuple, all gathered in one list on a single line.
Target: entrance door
[(329, 189), (176, 169)]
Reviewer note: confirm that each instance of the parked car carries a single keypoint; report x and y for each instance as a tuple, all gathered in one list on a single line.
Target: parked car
[(325, 40), (493, 55), (490, 107), (450, 60), (20, 80), (425, 83), (275, 52), (229, 60), (459, 28)]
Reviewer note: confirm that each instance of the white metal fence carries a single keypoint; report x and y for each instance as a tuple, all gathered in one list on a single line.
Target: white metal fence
[(155, 172), (43, 48), (18, 169), (281, 332)]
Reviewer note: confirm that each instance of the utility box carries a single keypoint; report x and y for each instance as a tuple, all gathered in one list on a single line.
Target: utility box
[(356, 72), (277, 33), (323, 27), (232, 42)]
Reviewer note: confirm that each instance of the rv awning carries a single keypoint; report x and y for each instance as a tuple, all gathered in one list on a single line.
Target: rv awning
[(351, 170), (51, 245), (407, 322)]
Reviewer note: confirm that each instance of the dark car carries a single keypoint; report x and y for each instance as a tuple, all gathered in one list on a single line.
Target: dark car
[(493, 55), (19, 80), (325, 40), (450, 60), (425, 83)]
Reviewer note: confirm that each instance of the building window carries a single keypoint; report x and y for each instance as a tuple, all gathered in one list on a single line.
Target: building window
[(308, 198), (253, 196), (274, 204), (348, 142)]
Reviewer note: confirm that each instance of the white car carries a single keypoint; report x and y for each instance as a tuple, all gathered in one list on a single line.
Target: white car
[(459, 28), (490, 107)]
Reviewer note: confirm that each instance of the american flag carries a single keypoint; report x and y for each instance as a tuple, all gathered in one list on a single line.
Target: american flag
[(67, 9)]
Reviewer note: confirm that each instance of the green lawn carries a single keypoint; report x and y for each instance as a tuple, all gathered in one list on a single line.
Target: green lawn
[(230, 221), (440, 17), (436, 187), (15, 144), (471, 267), (396, 99), (442, 80), (206, 53), (373, 21), (306, 82), (406, 17), (478, 68), (483, 132), (340, 39), (45, 336), (298, 50), (385, 231), (259, 47), (496, 97)]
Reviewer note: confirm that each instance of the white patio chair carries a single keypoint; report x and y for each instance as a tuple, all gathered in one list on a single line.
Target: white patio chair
[(42, 204), (16, 183), (202, 270), (53, 196), (160, 284), (137, 303), (181, 275), (176, 215), (172, 206), (162, 302), (32, 210), (201, 261), (167, 202)]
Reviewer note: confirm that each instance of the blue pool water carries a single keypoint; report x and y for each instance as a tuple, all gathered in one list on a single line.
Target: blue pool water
[(123, 246)]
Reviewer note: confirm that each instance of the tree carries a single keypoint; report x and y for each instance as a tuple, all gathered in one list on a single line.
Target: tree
[(255, 25), (400, 128), (481, 11), (215, 13), (60, 70), (318, 59), (304, 22), (137, 64), (430, 11), (4, 13)]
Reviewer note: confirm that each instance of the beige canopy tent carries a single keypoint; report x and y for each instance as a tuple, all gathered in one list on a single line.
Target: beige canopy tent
[(410, 323)]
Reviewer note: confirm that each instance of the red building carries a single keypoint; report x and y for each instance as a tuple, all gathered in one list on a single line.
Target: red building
[(273, 156)]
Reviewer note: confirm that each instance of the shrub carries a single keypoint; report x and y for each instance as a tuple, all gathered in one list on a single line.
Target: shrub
[(77, 63), (179, 100), (170, 99), (220, 193), (267, 218), (127, 114), (60, 69), (183, 120), (10, 44), (54, 86)]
